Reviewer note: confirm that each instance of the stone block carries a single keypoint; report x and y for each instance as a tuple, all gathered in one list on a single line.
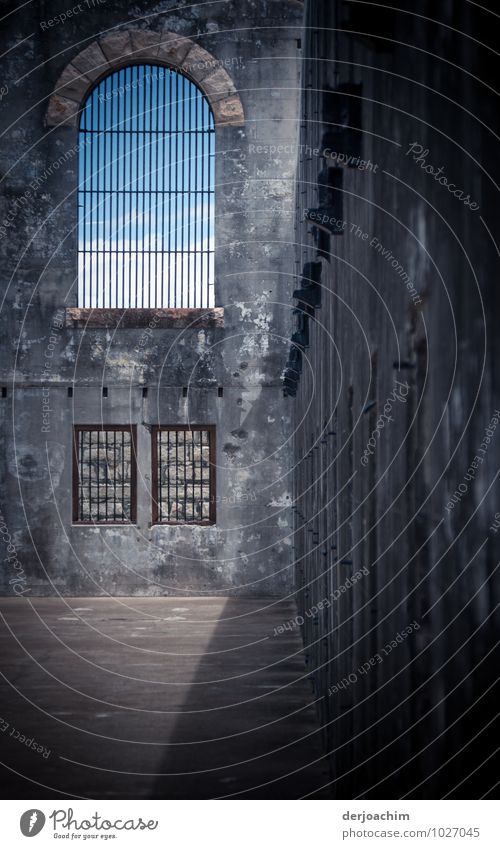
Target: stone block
[(61, 112), (145, 44), (172, 48), (72, 84), (198, 62), (92, 62), (218, 85), (228, 112), (116, 46)]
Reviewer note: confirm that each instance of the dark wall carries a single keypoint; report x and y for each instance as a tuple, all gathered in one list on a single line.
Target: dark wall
[(397, 409)]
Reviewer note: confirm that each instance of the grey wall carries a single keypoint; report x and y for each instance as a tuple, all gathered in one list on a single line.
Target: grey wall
[(248, 550)]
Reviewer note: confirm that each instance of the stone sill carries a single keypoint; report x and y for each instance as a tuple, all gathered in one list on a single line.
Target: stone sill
[(160, 318), (206, 524), (132, 525)]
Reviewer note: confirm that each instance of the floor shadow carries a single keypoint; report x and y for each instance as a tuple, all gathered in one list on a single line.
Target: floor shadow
[(156, 698)]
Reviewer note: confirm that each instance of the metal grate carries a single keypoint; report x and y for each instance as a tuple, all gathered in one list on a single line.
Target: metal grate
[(146, 192), (104, 474), (184, 475)]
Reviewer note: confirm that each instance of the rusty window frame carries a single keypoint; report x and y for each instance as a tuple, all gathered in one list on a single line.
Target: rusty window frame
[(76, 499), (155, 477)]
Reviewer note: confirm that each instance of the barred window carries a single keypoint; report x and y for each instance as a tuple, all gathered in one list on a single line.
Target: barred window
[(146, 192), (183, 459), (104, 474)]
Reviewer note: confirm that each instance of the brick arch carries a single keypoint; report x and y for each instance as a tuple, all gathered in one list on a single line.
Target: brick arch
[(123, 47)]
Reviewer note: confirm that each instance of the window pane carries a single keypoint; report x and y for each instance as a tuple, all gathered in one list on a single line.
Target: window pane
[(183, 475), (146, 192), (104, 476)]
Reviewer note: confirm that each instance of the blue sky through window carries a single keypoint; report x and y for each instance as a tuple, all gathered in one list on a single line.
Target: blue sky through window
[(146, 192)]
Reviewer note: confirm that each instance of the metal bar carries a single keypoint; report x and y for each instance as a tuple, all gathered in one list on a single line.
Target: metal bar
[(146, 231), (203, 197), (168, 475), (115, 517), (176, 173), (153, 192), (98, 477), (187, 199), (106, 475), (133, 473), (82, 229), (202, 488), (143, 205), (193, 476), (169, 220), (90, 476), (135, 117), (123, 474), (80, 472), (157, 475), (92, 183), (126, 197), (120, 197), (212, 487), (185, 476), (113, 223), (98, 209), (140, 252), (152, 132), (176, 474), (196, 171), (156, 146)]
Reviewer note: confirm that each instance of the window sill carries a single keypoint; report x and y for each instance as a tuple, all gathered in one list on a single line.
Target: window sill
[(75, 524), (156, 318), (183, 525)]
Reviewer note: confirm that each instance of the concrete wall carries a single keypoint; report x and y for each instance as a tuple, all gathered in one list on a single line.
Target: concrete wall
[(380, 543), (247, 551)]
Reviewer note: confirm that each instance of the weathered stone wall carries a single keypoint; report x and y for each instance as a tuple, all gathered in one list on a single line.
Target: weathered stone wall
[(50, 350), (397, 441)]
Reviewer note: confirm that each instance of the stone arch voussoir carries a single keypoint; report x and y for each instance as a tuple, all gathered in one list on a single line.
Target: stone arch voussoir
[(121, 47)]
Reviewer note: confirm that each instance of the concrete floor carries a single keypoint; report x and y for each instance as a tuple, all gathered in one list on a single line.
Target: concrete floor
[(155, 698)]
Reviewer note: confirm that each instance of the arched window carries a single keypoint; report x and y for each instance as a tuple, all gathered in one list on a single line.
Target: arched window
[(146, 192)]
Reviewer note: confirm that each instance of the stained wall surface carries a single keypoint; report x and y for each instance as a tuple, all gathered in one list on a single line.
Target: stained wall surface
[(247, 550)]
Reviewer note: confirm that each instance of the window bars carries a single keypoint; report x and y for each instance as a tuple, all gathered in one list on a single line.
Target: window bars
[(104, 474), (146, 192), (183, 461)]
